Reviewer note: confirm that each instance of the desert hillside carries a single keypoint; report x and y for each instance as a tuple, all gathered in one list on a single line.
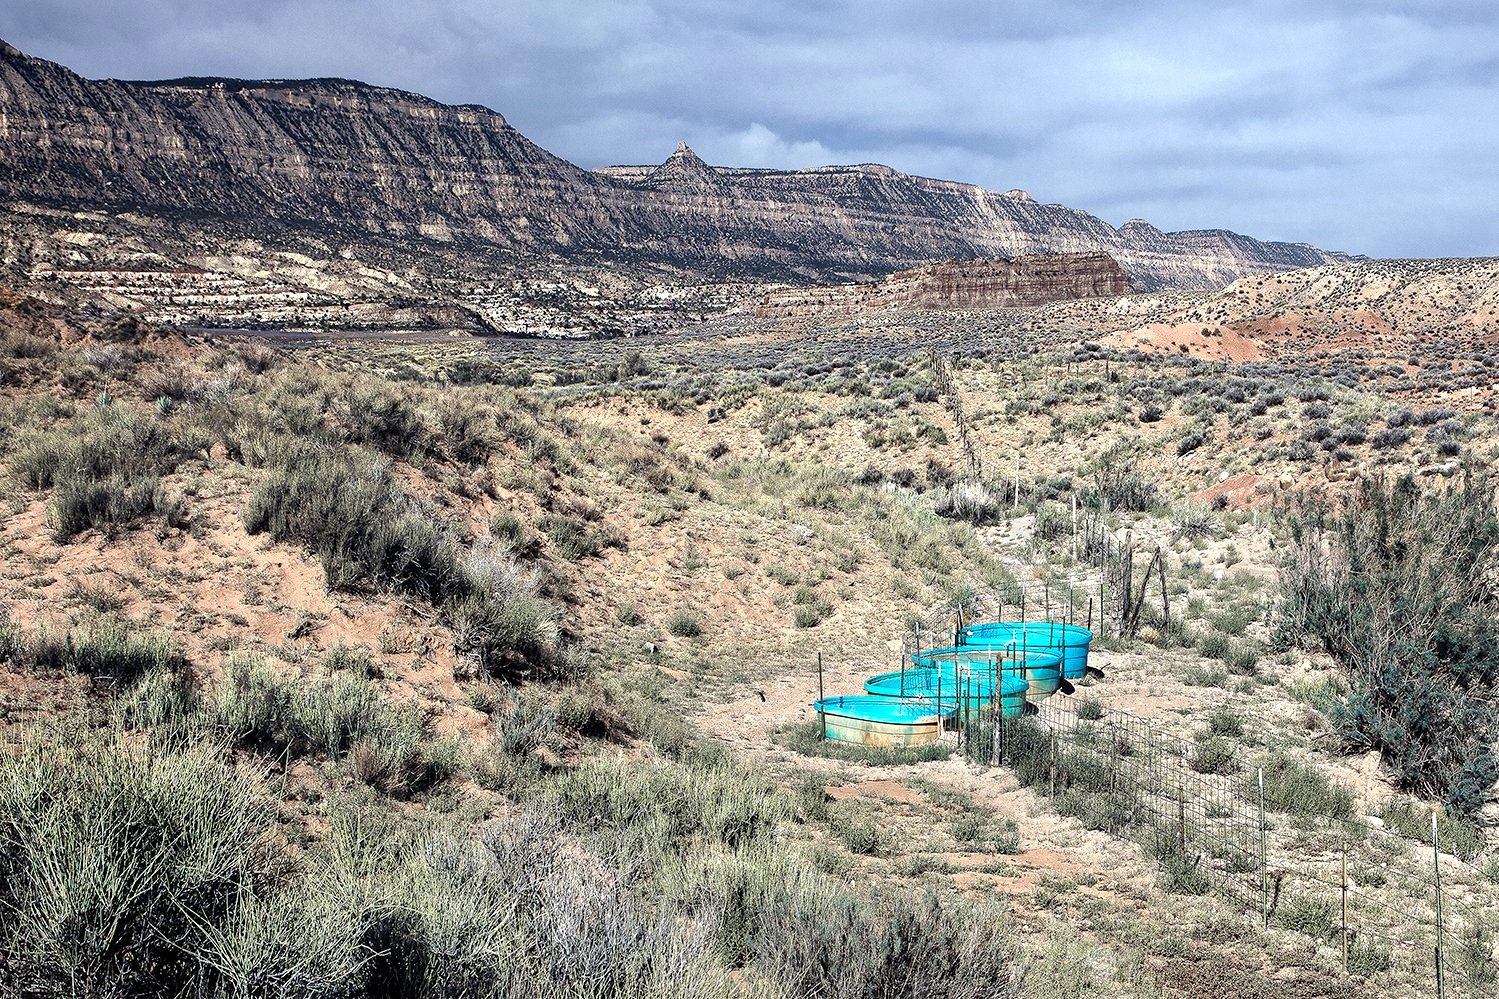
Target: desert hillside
[(446, 626)]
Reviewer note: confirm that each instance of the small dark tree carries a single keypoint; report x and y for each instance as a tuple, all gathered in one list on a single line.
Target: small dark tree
[(1398, 586)]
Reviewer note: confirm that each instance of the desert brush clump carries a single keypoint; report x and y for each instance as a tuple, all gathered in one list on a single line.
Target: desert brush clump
[(366, 531), (112, 858), (104, 469), (103, 649), (133, 869), (1397, 586)]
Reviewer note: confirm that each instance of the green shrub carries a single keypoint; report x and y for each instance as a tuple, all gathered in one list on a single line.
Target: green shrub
[(661, 808), (1205, 676), (1456, 835), (1215, 755), (105, 649), (253, 707), (1299, 787), (508, 636), (573, 537), (343, 717), (372, 414), (1225, 721), (1368, 957), (365, 531), (860, 836), (165, 702), (1398, 587), (350, 659), (104, 847), (1214, 646), (104, 472), (1181, 873), (807, 934), (684, 624), (804, 616), (1309, 914)]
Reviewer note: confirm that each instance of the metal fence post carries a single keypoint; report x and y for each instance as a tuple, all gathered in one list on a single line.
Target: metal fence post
[(1345, 905), (1181, 819), (1264, 865), (1052, 763), (822, 713), (1436, 876)]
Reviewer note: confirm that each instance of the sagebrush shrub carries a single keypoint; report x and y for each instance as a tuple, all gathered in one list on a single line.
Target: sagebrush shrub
[(1397, 586), (105, 471)]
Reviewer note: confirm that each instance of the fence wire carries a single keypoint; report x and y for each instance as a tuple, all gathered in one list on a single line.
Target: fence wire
[(1392, 908)]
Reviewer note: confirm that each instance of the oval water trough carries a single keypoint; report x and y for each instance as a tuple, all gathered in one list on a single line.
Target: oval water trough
[(1070, 641), (873, 720)]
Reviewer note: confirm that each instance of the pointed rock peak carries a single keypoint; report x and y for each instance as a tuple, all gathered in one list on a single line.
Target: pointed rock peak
[(1140, 227), (684, 168), (684, 156)]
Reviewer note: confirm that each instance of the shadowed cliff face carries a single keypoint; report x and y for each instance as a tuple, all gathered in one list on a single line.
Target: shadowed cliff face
[(340, 155)]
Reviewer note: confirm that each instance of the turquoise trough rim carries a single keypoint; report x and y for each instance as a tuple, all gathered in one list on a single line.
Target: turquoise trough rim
[(1072, 641), (890, 710)]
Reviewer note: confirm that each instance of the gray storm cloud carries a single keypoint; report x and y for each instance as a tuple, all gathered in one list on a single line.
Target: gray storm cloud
[(1363, 126)]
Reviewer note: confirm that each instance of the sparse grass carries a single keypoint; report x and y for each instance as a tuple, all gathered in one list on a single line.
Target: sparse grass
[(1300, 787), (105, 649)]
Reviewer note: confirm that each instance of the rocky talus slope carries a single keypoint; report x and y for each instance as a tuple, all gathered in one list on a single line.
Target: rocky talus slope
[(349, 162), (959, 284)]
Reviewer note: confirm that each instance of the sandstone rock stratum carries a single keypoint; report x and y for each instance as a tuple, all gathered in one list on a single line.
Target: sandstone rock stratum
[(960, 284), (342, 160)]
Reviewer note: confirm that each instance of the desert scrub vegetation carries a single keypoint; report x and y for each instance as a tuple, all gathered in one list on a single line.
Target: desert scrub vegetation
[(103, 648), (104, 469), (1396, 585), (133, 868), (365, 530)]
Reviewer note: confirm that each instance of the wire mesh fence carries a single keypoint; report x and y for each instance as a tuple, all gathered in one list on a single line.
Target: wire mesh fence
[(1392, 908)]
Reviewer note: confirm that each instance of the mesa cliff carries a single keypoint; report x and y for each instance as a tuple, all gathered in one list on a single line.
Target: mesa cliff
[(345, 161)]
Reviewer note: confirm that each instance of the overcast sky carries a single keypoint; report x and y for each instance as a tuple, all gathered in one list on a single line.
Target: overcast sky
[(1362, 125)]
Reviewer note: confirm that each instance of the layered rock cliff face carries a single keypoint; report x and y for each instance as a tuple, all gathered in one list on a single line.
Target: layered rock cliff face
[(339, 157), (960, 284)]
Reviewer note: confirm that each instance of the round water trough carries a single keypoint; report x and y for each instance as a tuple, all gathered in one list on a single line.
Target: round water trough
[(1070, 641), (967, 691), (1041, 668), (872, 720)]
